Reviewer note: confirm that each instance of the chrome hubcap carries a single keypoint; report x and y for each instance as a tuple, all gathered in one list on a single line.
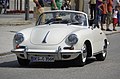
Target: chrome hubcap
[(84, 53), (104, 52)]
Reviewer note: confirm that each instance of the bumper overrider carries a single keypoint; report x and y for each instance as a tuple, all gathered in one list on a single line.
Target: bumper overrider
[(51, 55)]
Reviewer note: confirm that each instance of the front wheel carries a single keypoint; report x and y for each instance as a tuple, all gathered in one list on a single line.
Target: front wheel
[(102, 56), (23, 62), (81, 60)]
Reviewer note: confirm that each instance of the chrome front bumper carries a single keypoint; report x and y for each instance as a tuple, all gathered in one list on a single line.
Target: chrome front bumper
[(58, 53)]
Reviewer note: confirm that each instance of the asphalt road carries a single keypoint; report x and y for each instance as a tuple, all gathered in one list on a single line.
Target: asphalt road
[(108, 69)]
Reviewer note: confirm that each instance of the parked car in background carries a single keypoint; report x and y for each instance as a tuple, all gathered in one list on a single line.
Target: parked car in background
[(60, 35)]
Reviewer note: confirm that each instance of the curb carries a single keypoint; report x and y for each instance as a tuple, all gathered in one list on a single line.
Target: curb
[(5, 53), (112, 33)]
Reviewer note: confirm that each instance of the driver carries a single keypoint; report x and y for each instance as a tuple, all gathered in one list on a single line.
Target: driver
[(80, 18)]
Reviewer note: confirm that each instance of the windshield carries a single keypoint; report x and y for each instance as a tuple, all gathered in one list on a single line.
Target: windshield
[(62, 18)]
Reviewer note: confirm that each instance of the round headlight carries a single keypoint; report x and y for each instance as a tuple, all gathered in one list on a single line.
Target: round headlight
[(19, 38), (72, 39)]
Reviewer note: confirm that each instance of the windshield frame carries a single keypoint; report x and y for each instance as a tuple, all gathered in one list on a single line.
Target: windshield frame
[(66, 12)]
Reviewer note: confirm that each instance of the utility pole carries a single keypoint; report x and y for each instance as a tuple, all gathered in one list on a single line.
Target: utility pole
[(20, 5), (26, 9), (17, 4)]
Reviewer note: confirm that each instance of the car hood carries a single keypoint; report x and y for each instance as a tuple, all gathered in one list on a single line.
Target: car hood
[(51, 34)]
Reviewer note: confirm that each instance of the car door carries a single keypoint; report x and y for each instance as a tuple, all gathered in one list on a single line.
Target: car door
[(97, 39)]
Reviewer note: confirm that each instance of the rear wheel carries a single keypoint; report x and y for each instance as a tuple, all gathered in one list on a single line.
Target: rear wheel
[(23, 62), (81, 60), (102, 55)]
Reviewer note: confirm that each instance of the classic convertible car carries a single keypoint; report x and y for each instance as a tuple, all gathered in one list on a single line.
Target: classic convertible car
[(60, 35)]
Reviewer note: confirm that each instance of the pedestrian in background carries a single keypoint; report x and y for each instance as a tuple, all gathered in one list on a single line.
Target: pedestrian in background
[(103, 8), (66, 5), (92, 6), (109, 14), (117, 3), (5, 5), (98, 13), (1, 6), (56, 4), (39, 7), (115, 18), (118, 15)]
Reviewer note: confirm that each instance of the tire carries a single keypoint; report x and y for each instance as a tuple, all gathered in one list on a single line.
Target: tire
[(81, 59), (23, 62), (102, 56)]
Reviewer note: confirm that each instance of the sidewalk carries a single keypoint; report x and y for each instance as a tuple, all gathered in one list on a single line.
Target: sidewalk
[(18, 20), (112, 32), (15, 19)]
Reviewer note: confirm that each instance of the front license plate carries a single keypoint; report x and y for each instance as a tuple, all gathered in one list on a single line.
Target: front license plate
[(42, 59)]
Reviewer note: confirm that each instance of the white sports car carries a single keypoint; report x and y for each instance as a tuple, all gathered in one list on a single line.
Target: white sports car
[(60, 35)]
